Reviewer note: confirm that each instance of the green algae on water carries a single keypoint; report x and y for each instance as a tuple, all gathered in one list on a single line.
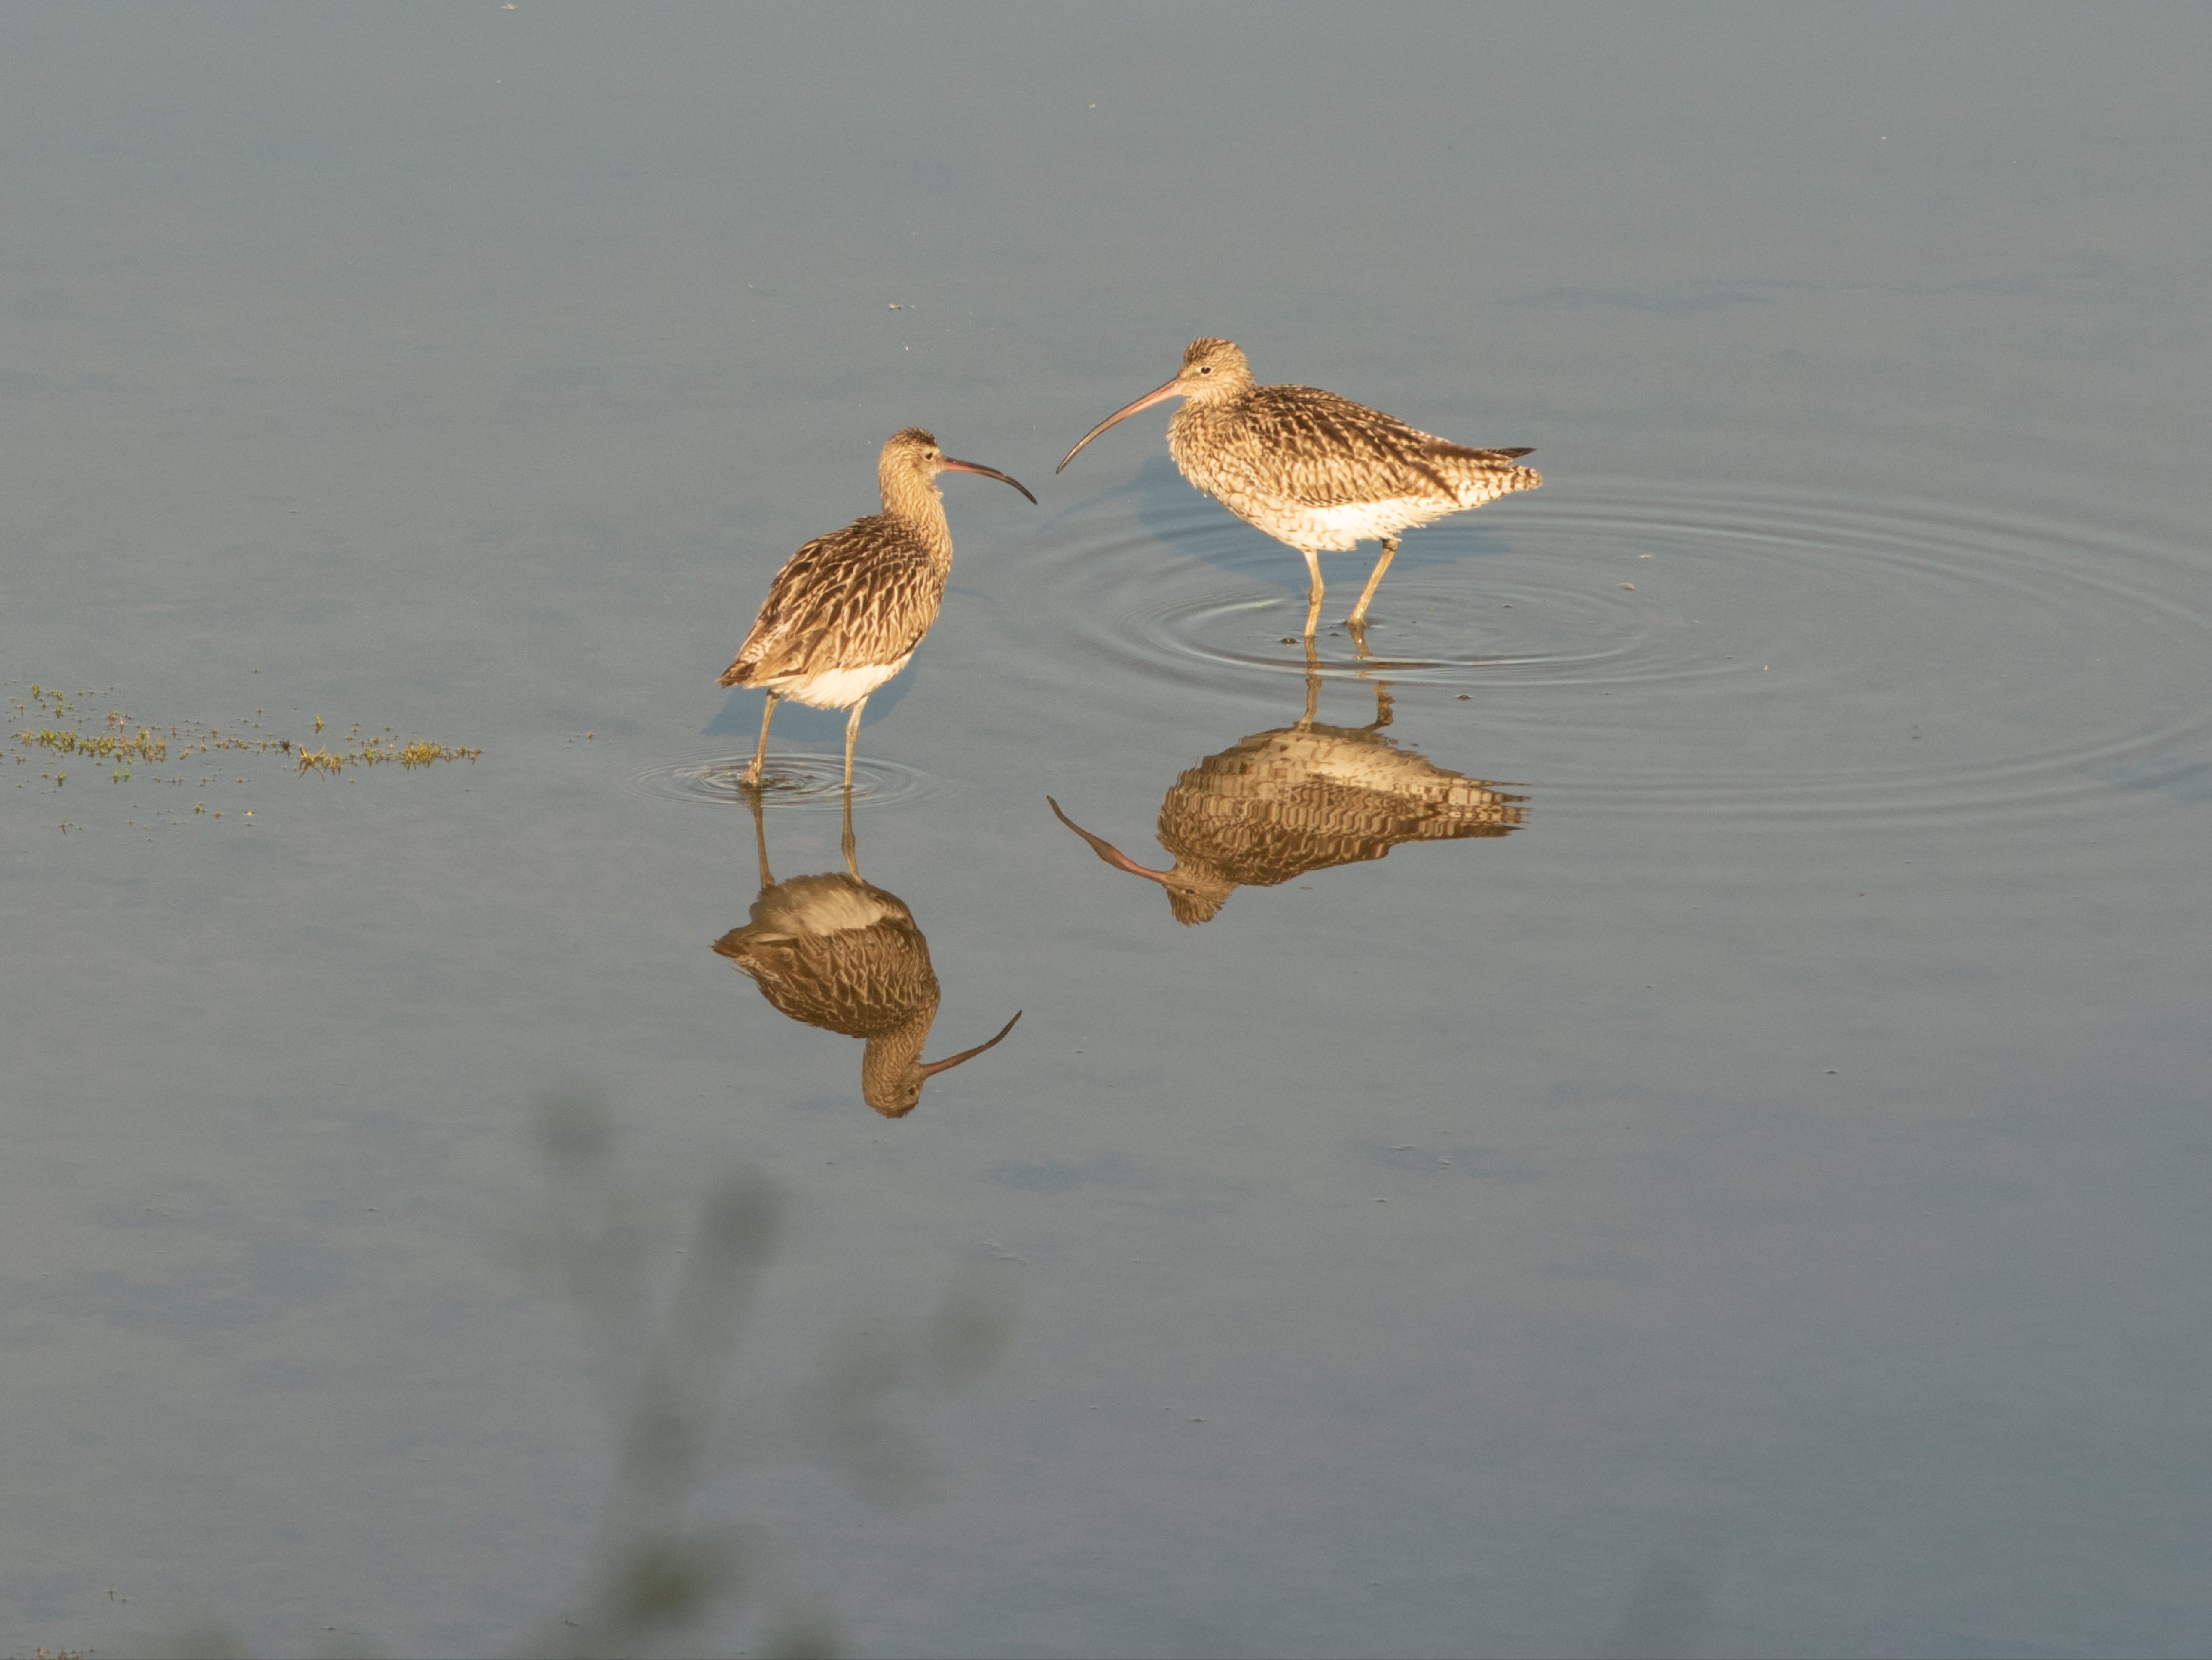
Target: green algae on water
[(357, 751), (72, 726)]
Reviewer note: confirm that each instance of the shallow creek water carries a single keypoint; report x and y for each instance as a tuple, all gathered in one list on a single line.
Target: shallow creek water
[(1739, 1187)]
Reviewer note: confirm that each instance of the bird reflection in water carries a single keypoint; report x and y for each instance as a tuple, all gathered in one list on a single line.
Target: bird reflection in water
[(1303, 798), (838, 952)]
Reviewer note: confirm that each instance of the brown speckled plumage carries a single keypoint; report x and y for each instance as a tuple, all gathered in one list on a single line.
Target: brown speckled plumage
[(838, 952), (1313, 469), (873, 981), (847, 609), (1303, 798)]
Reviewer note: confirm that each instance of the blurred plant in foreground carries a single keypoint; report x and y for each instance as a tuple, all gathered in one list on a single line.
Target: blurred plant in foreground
[(660, 1373), (658, 1365)]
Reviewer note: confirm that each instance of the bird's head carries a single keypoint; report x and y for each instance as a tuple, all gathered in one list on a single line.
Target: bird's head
[(912, 456), (892, 1071), (1213, 372), (1196, 889)]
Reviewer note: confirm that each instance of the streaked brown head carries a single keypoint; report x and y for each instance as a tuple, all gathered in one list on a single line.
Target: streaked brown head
[(892, 1071), (1195, 890), (1213, 372), (911, 457)]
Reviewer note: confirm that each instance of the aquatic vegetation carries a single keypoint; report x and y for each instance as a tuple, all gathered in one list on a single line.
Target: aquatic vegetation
[(115, 738), (145, 745), (357, 751), (60, 726), (119, 742)]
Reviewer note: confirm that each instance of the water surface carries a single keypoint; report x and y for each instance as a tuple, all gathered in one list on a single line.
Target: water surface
[(1754, 1206)]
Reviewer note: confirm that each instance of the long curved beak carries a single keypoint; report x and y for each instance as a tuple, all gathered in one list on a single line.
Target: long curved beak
[(1173, 389), (1106, 850), (951, 465), (930, 1069)]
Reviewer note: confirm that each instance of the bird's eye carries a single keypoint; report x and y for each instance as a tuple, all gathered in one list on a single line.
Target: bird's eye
[(1205, 368)]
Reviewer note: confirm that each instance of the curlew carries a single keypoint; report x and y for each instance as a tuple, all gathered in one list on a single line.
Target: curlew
[(1303, 798), (846, 611), (1315, 471), (838, 952)]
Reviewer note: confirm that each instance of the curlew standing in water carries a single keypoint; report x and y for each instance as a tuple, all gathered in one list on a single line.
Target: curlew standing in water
[(846, 611), (838, 952), (1313, 469)]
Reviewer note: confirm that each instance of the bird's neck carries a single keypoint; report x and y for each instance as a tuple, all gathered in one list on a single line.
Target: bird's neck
[(890, 1061), (914, 503), (1219, 392), (1196, 414)]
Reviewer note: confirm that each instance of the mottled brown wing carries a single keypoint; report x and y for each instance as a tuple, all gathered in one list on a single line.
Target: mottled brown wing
[(859, 982), (1241, 812), (864, 595), (1303, 444)]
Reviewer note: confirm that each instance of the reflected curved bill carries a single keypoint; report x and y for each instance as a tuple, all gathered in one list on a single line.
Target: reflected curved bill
[(836, 951), (1279, 805)]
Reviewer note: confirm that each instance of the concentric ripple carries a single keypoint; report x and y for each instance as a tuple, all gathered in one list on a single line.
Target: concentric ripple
[(806, 782), (1651, 647)]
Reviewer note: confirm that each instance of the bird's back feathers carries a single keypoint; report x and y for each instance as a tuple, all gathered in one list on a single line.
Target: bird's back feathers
[(1279, 456), (862, 596)]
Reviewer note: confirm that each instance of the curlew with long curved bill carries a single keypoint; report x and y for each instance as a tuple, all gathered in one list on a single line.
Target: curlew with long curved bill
[(1315, 471), (846, 611), (836, 951)]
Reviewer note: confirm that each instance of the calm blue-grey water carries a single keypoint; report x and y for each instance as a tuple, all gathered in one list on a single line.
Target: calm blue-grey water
[(1748, 1199)]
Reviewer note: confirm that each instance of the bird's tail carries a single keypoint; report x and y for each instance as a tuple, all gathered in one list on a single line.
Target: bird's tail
[(1480, 475), (1479, 483)]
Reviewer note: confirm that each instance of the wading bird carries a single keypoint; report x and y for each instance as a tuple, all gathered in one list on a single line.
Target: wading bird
[(846, 611), (1315, 471), (836, 951)]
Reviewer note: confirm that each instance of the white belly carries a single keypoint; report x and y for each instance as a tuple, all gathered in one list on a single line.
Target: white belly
[(836, 689), (834, 910), (1338, 530), (1369, 765), (809, 907)]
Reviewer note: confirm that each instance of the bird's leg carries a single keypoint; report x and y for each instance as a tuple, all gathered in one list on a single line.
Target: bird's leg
[(760, 751), (852, 737), (1313, 591), (1383, 712), (850, 845), (1313, 682), (1359, 631), (760, 839), (1358, 618)]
